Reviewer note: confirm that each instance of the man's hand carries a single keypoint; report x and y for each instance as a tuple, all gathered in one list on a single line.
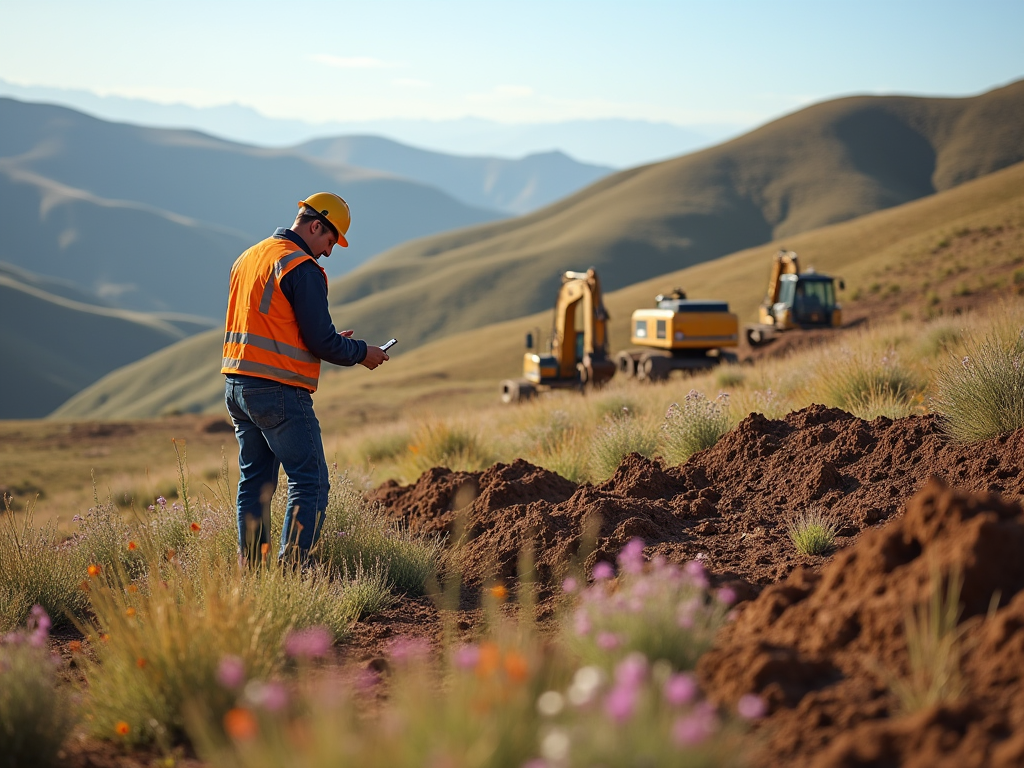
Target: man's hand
[(374, 357)]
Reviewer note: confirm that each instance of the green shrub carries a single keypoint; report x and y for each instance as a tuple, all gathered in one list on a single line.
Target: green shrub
[(385, 446), (35, 716), (981, 395), (697, 425), (358, 537), (934, 649), (38, 567), (939, 337), (853, 378), (813, 532), (568, 457), (444, 444), (729, 376), (616, 439)]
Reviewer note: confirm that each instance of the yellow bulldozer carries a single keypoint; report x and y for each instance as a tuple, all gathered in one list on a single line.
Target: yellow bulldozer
[(795, 300), (678, 334), (575, 358)]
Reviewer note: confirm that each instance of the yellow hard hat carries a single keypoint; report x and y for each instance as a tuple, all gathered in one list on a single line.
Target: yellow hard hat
[(334, 209)]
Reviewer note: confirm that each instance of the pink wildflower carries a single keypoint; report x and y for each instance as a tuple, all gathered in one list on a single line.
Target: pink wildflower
[(405, 649), (696, 727), (631, 558), (231, 672), (726, 595), (696, 574), (467, 656), (607, 641), (311, 642), (570, 584), (620, 703), (581, 623), (603, 570), (680, 689), (632, 670), (751, 707)]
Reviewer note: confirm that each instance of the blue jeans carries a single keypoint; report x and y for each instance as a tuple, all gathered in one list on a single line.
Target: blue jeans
[(275, 426)]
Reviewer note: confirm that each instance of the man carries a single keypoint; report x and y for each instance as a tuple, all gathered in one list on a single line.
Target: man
[(278, 330)]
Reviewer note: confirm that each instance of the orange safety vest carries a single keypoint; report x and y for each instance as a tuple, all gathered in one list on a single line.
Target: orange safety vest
[(262, 336)]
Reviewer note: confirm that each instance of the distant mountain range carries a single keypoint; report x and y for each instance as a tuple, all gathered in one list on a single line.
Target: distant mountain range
[(610, 142), (460, 366), (828, 163)]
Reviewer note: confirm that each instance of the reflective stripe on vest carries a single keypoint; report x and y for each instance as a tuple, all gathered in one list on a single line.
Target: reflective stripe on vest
[(279, 267), (270, 371), (271, 345)]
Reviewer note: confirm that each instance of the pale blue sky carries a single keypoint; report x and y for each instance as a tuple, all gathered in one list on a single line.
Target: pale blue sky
[(736, 62)]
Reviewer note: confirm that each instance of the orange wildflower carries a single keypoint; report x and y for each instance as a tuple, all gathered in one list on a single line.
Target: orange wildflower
[(122, 728), (75, 646), (240, 724), (516, 667), (132, 546), (490, 658), (130, 612), (195, 527), (94, 570), (499, 592), (140, 663), (104, 636), (132, 588)]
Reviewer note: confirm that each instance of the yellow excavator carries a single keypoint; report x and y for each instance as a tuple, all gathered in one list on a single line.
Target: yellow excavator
[(795, 299), (678, 334), (576, 358)]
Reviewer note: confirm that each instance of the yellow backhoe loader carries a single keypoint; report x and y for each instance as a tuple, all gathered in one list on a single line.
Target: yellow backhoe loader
[(575, 357), (795, 299), (678, 334)]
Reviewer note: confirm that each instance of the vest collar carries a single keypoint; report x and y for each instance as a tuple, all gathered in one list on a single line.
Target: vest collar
[(283, 233)]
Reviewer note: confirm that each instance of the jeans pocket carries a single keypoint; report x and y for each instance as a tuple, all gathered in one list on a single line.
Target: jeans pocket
[(265, 406)]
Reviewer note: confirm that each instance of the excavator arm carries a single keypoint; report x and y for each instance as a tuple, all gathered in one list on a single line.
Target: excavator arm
[(784, 263), (576, 287)]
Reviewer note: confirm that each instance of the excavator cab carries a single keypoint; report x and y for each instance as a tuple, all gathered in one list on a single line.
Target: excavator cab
[(795, 299)]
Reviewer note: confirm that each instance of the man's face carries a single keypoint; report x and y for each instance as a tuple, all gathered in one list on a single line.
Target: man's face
[(323, 239)]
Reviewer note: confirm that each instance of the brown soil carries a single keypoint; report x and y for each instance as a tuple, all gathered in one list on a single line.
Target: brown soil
[(822, 647), (824, 636), (728, 505)]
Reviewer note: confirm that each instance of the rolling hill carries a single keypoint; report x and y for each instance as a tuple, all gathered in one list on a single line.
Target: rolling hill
[(53, 344), (907, 246), (512, 186), (151, 219), (828, 163)]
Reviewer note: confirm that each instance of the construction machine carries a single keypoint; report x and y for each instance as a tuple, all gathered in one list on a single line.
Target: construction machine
[(575, 357), (795, 299), (678, 334)]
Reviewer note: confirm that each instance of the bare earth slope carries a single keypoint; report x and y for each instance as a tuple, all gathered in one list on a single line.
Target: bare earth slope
[(828, 163)]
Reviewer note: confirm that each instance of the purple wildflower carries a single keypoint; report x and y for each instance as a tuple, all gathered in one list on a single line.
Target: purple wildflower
[(620, 703), (404, 649), (607, 641), (696, 727), (726, 595), (231, 672), (467, 656), (570, 584), (680, 689), (632, 670), (603, 570), (631, 558), (161, 501), (311, 642), (751, 707), (581, 622)]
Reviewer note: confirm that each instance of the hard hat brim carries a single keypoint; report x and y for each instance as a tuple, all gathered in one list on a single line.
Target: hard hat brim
[(342, 241)]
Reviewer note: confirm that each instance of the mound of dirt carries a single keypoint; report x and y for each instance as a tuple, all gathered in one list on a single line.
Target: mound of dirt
[(728, 505), (822, 648)]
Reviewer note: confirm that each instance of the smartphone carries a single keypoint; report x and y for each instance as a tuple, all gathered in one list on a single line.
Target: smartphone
[(387, 345)]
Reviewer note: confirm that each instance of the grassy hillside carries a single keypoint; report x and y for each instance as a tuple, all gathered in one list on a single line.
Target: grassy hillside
[(82, 193), (825, 164), (513, 186), (958, 246), (53, 346)]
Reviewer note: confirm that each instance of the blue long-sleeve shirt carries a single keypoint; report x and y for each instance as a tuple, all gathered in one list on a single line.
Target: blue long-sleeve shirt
[(306, 290)]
